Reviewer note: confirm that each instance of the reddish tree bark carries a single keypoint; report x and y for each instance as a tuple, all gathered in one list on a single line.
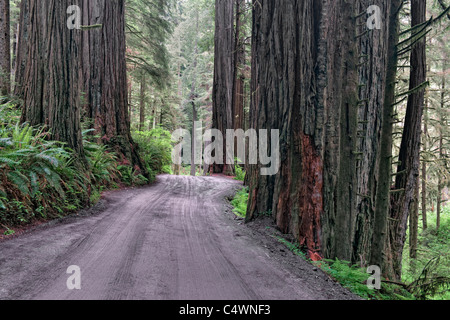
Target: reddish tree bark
[(312, 64)]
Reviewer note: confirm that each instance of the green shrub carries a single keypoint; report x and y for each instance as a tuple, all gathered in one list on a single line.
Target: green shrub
[(31, 167), (352, 277), (432, 245), (42, 178), (156, 150), (102, 163), (131, 177), (240, 173), (240, 202)]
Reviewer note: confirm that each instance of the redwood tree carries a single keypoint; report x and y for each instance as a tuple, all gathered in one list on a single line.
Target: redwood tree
[(61, 70), (408, 170), (5, 50), (48, 64), (372, 56), (239, 63), (142, 101), (224, 71), (319, 76), (285, 53), (104, 77)]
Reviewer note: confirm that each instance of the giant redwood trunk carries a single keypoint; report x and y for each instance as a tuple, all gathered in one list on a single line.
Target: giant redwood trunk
[(223, 76), (312, 65), (5, 51), (285, 53), (48, 64), (372, 53), (104, 77)]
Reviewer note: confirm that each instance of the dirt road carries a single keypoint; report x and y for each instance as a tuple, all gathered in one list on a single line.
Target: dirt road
[(173, 240)]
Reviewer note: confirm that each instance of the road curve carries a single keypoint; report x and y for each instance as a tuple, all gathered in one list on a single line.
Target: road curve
[(168, 241)]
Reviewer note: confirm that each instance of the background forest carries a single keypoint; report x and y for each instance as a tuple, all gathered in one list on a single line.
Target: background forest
[(66, 136)]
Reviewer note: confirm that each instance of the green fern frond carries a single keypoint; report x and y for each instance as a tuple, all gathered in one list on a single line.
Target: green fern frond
[(20, 181)]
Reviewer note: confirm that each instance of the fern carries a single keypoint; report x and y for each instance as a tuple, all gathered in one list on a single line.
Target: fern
[(20, 181), (34, 183), (5, 142), (7, 161)]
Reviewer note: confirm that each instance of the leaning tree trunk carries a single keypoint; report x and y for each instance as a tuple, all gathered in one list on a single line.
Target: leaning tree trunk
[(48, 64), (402, 202), (5, 51), (104, 77), (223, 77)]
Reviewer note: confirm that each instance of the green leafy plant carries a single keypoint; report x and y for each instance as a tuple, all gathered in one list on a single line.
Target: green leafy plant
[(31, 166), (240, 203), (9, 232), (130, 176), (156, 150), (427, 278), (102, 162), (239, 171), (293, 247)]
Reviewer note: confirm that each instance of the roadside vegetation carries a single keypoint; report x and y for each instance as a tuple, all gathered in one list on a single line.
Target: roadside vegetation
[(424, 278), (240, 203), (239, 172), (156, 150), (42, 179)]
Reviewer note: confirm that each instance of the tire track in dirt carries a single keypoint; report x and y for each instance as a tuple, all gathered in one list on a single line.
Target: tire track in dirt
[(173, 240)]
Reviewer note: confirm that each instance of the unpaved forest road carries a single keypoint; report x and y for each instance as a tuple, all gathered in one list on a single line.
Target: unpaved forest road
[(169, 241)]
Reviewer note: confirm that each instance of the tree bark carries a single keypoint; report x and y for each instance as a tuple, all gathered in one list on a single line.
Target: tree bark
[(402, 202), (441, 148), (414, 227), (372, 85), (194, 137), (48, 76), (340, 101), (424, 168), (193, 97), (142, 102), (5, 49), (318, 75), (384, 173), (223, 77), (239, 78), (104, 77)]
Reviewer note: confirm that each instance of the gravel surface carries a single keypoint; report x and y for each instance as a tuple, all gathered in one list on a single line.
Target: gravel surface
[(174, 240)]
